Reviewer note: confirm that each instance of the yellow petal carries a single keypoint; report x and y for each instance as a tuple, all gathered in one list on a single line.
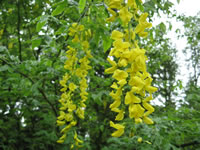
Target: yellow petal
[(122, 82), (115, 104), (116, 35), (120, 75), (147, 120), (138, 120), (125, 15), (60, 123), (139, 139), (116, 126), (120, 115), (118, 133), (60, 141)]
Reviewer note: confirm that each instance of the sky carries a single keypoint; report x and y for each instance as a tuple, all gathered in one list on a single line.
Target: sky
[(188, 8)]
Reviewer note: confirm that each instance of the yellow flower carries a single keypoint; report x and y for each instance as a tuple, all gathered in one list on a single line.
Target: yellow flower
[(76, 39), (147, 120), (143, 24), (132, 3), (138, 120), (66, 128), (62, 115), (122, 82), (71, 106), (136, 81), (113, 17), (115, 4), (69, 117), (80, 113), (85, 45), (60, 141), (120, 75), (136, 111), (113, 68), (115, 104), (123, 62), (139, 139), (72, 87), (116, 35), (120, 115), (119, 131), (148, 107), (60, 123), (116, 95), (130, 98), (77, 139), (114, 85), (125, 15)]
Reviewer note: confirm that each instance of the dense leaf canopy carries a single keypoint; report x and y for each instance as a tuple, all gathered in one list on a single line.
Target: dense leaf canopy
[(34, 36)]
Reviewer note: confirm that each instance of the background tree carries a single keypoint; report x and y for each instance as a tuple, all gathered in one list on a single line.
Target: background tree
[(33, 41)]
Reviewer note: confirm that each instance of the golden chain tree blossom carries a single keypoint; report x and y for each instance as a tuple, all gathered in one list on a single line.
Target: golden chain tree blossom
[(74, 80), (129, 66)]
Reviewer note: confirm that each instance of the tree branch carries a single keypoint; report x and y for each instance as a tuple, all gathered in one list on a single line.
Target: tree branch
[(39, 89), (18, 30)]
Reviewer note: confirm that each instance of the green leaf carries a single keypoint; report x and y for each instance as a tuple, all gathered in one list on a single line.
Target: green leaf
[(4, 68), (107, 42), (59, 9), (178, 1), (81, 5), (2, 48), (41, 23), (163, 27), (36, 42)]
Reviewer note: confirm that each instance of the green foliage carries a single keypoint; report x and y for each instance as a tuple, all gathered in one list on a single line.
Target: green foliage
[(33, 42)]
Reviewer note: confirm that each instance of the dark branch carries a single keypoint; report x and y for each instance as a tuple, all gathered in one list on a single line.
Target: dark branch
[(18, 30), (39, 89)]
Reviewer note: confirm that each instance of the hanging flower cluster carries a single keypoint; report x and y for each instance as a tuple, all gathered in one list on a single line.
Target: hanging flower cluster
[(128, 69), (74, 81)]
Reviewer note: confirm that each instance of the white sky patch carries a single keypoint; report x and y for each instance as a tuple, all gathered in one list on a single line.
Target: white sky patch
[(188, 8)]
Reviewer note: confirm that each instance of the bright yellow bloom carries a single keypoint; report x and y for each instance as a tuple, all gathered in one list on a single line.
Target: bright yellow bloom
[(60, 123), (60, 141), (113, 17), (138, 120), (143, 24), (148, 107), (71, 106), (120, 115), (115, 104), (139, 139), (115, 4), (123, 62), (69, 117), (147, 120), (114, 85), (136, 81), (136, 111), (116, 35), (116, 95), (113, 68), (125, 15), (120, 75), (76, 39), (72, 87), (119, 131), (80, 113), (77, 139), (130, 98)]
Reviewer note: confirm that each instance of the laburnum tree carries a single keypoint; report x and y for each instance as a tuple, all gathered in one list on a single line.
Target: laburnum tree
[(128, 61), (80, 74)]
